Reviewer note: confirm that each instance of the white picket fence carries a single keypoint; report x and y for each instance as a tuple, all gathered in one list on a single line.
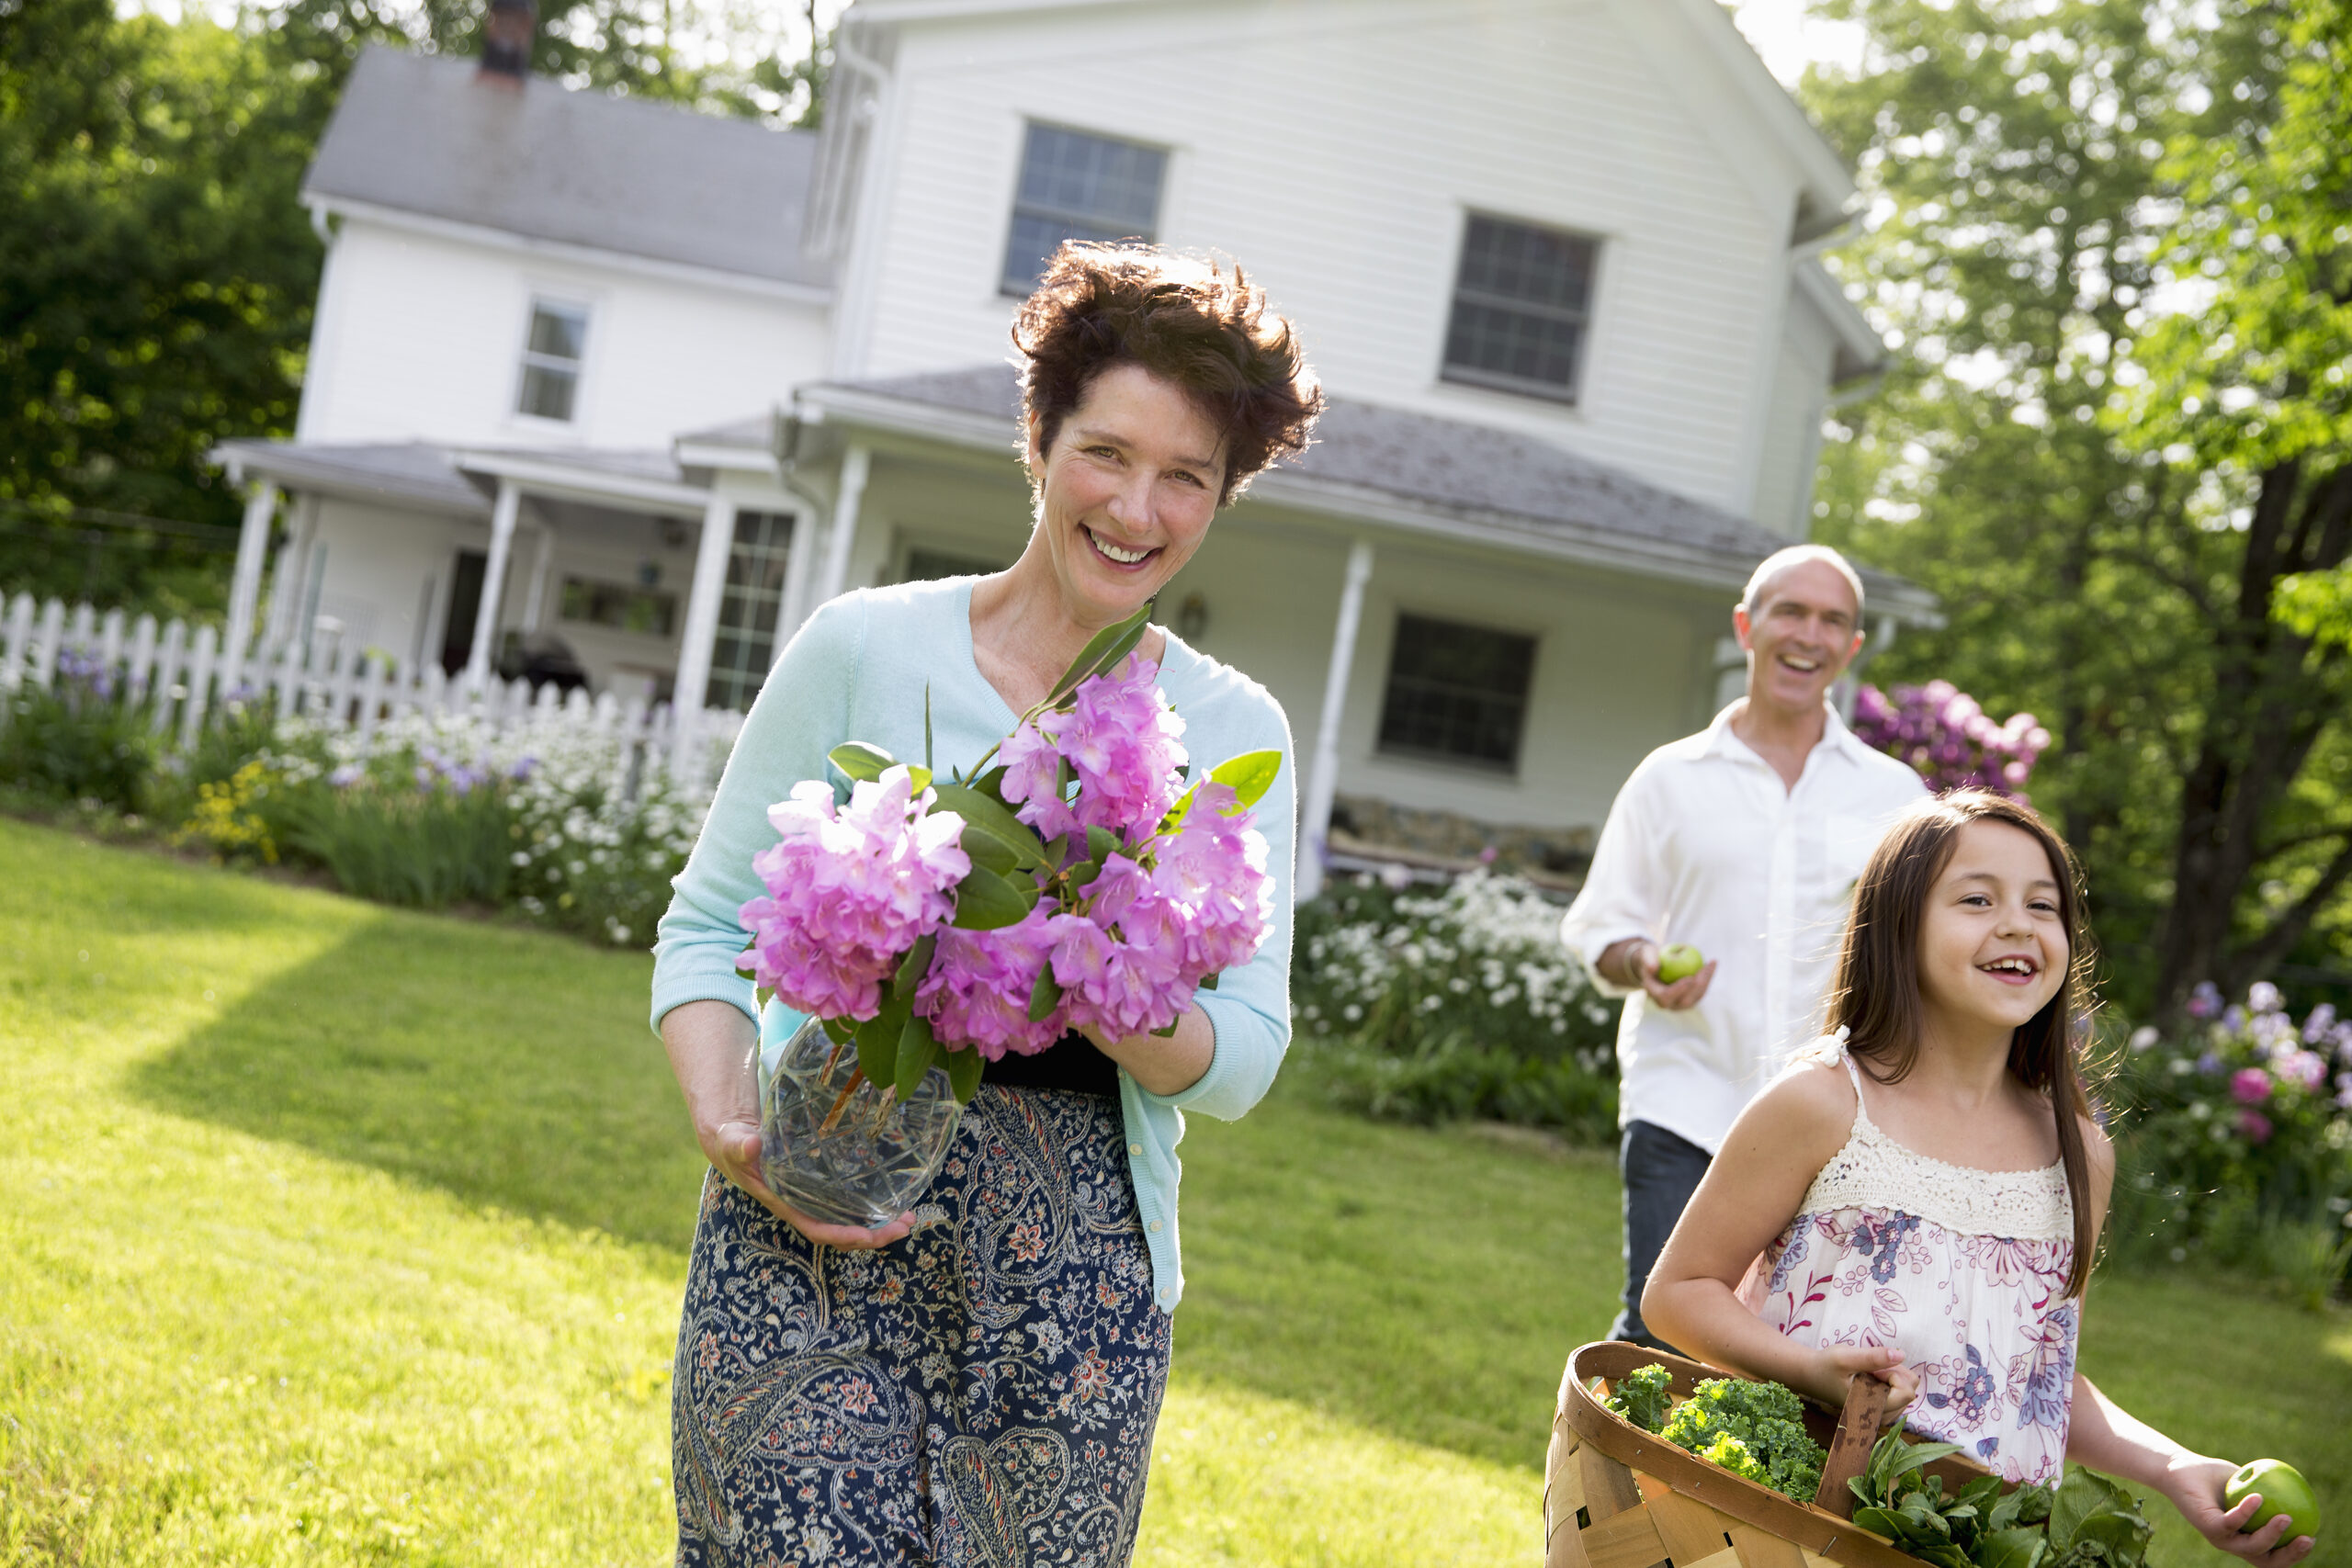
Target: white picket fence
[(183, 678)]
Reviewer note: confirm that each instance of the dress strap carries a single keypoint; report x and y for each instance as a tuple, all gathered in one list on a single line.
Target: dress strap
[(1853, 1072)]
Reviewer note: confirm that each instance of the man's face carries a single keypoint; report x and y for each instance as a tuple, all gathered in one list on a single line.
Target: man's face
[(1800, 635)]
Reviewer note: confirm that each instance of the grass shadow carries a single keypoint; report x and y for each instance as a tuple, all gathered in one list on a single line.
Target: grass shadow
[(510, 1069)]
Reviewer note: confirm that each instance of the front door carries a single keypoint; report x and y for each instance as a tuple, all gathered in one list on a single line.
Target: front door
[(465, 604)]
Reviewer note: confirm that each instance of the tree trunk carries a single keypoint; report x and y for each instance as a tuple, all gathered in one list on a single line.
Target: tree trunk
[(2266, 710)]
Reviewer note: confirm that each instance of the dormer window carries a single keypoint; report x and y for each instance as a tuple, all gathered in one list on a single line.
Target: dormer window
[(1077, 187), (551, 356), (1523, 299)]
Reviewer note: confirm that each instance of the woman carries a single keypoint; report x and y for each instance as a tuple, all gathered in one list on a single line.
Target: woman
[(978, 1380)]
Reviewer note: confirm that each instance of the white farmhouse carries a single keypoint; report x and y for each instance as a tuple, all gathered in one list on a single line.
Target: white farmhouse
[(607, 380)]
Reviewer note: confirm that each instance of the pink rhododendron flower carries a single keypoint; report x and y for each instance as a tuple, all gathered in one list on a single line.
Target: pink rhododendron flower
[(1031, 783), (977, 990), (2250, 1086), (851, 889), (1119, 737)]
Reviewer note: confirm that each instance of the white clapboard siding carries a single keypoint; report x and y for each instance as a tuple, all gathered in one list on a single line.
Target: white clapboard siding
[(186, 678)]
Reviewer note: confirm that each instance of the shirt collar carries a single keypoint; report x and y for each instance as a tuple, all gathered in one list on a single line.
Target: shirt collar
[(1835, 735)]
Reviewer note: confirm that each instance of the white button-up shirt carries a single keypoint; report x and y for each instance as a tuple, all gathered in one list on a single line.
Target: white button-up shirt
[(1707, 845)]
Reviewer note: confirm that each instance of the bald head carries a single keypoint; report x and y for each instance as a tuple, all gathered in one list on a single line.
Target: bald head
[(1774, 567)]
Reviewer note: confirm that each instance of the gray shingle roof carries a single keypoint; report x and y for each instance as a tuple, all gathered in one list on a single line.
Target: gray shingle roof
[(419, 134), (1448, 464), (408, 470)]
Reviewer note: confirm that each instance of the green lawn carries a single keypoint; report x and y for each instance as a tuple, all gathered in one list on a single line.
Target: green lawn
[(334, 1234)]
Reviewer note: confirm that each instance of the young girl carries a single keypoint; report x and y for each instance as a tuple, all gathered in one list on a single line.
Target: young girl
[(1920, 1198)]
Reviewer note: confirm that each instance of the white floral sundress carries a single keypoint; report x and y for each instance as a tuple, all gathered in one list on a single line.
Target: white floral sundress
[(1964, 1270)]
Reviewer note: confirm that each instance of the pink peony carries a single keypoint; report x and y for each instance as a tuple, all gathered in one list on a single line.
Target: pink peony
[(2250, 1086), (977, 991), (851, 889), (2256, 1126)]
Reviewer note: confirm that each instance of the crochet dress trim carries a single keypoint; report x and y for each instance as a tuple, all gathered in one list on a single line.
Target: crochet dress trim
[(1874, 1171)]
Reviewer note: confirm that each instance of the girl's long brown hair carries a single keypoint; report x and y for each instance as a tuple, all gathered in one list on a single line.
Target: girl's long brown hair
[(1876, 993)]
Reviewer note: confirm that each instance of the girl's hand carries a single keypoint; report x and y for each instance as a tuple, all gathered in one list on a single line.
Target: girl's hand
[(1884, 1363), (734, 1148), (2196, 1486)]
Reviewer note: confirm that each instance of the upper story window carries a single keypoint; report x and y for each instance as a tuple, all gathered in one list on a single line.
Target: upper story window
[(1521, 302), (1456, 692), (551, 356), (1077, 186)]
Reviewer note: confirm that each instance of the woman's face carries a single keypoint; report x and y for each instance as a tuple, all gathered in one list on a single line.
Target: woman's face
[(1126, 493), (1993, 947)]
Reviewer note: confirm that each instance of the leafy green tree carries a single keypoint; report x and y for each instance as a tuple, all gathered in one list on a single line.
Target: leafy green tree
[(157, 269), (2026, 162), (155, 281)]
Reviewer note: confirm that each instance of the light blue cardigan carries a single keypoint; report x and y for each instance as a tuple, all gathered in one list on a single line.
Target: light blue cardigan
[(857, 671)]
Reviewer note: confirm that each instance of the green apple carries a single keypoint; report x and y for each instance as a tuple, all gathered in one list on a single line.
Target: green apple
[(1678, 961), (2284, 1491)]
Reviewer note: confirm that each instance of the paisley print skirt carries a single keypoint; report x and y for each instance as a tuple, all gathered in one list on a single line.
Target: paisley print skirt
[(982, 1392)]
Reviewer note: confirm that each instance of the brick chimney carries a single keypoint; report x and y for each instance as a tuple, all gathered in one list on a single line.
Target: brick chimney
[(507, 32)]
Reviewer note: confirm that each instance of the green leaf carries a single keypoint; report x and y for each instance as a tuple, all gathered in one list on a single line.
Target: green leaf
[(1083, 873), (1100, 844), (1249, 776), (841, 1031), (916, 965), (992, 816), (963, 1072), (878, 1042), (860, 761), (1208, 981), (926, 725), (2020, 1548), (1104, 650), (1045, 996), (1178, 812), (990, 851), (1878, 1521), (918, 1049), (987, 902)]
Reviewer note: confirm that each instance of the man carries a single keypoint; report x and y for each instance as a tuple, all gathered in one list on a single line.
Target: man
[(1743, 842)]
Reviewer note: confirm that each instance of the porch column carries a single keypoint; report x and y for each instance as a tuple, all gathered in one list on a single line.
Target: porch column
[(289, 578), (534, 601), (493, 583), (799, 566), (245, 585), (1323, 781), (693, 683), (856, 464)]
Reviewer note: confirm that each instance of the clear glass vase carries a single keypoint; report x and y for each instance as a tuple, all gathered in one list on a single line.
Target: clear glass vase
[(842, 1149)]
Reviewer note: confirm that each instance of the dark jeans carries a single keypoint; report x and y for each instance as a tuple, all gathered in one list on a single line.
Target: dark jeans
[(1660, 1171)]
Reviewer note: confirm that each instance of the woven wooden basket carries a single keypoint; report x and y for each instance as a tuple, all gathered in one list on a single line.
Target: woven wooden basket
[(1616, 1496)]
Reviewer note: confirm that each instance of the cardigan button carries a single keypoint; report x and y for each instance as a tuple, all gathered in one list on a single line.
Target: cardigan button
[(1136, 1150), (1155, 1225)]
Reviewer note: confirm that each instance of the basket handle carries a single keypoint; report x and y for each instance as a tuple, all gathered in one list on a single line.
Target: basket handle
[(1849, 1450)]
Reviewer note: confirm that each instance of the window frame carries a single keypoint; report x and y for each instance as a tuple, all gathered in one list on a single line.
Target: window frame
[(1584, 317), (526, 357), (1382, 748), (1008, 287), (783, 537)]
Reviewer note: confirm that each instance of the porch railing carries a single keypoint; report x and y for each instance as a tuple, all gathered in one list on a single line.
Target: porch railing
[(184, 678)]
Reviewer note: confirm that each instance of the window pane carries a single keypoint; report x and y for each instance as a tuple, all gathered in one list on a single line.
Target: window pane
[(1075, 186), (546, 391), (1520, 306), (557, 331), (748, 608), (1456, 692)]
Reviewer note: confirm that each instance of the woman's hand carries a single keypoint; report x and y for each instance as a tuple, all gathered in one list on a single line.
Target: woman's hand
[(1838, 1363), (715, 1052), (2196, 1486), (733, 1149)]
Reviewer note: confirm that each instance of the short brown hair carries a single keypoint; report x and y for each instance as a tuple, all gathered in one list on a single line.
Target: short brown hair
[(1208, 330), (1876, 993)]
